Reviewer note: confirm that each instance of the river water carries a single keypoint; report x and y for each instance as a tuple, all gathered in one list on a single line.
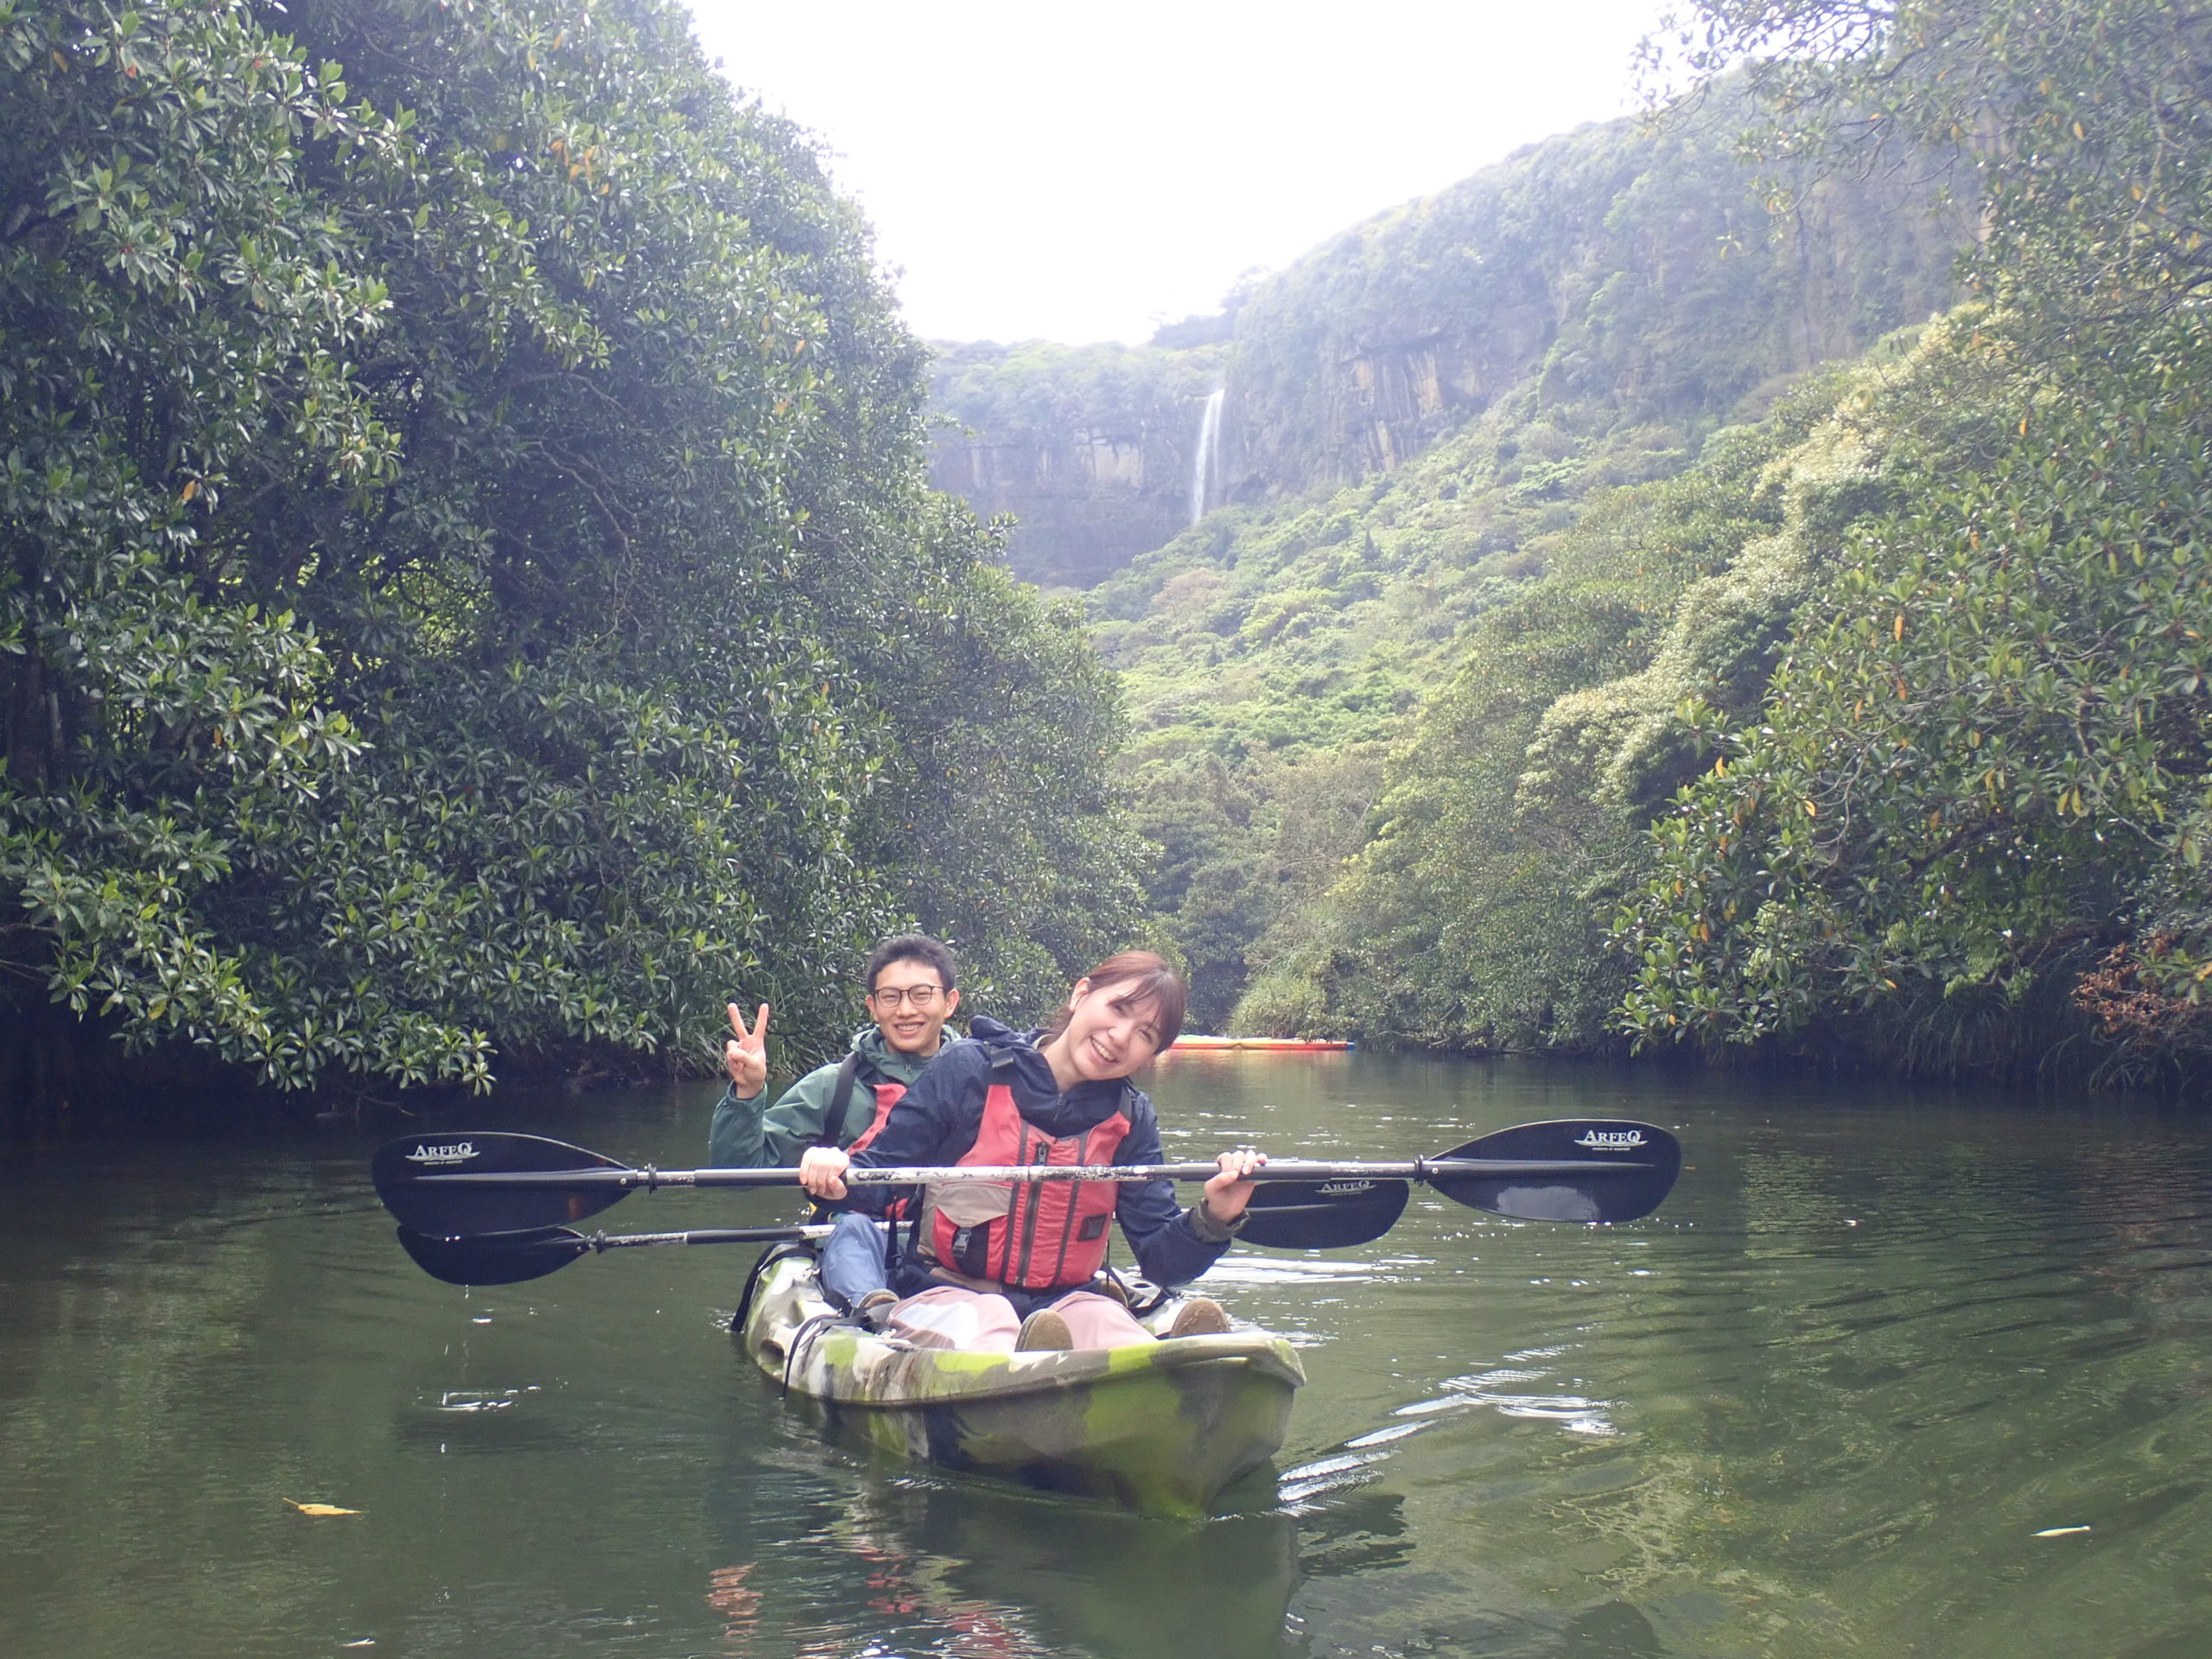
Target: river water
[(1821, 1404)]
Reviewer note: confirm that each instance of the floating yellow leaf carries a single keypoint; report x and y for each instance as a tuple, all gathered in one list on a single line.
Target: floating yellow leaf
[(319, 1510)]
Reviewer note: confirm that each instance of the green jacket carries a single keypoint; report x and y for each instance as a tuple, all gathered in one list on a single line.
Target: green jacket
[(744, 1136)]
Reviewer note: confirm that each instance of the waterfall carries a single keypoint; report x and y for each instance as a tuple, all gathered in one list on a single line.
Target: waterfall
[(1205, 464)]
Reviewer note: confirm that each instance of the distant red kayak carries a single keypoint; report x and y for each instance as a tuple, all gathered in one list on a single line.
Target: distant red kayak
[(1271, 1044)]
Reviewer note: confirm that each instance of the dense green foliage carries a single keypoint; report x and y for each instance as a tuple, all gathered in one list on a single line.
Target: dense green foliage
[(1923, 653), (1276, 654), (1509, 810), (1880, 731), (1988, 731), (468, 585), (1973, 810), (470, 592)]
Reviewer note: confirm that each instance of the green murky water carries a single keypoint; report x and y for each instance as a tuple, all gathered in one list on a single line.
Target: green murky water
[(1821, 1404)]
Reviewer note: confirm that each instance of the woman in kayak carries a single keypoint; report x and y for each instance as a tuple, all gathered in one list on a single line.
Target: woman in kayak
[(997, 1266)]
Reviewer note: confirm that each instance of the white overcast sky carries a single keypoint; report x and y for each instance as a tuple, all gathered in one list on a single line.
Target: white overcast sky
[(1036, 170)]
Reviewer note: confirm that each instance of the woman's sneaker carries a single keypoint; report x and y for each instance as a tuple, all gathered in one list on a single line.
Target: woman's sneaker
[(1199, 1316), (1044, 1331)]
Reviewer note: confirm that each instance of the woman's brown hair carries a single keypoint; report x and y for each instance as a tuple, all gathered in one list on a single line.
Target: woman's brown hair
[(1136, 977)]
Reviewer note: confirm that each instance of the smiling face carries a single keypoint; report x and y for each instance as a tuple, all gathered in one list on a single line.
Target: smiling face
[(1112, 1030), (910, 1005)]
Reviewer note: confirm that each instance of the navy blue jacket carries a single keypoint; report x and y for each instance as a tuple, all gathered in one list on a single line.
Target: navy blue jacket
[(942, 1113)]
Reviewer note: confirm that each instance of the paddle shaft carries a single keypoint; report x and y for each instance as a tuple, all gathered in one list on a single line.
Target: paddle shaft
[(1417, 1169), (696, 1236)]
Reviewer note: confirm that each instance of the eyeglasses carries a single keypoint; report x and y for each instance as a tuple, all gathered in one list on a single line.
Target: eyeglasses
[(916, 997)]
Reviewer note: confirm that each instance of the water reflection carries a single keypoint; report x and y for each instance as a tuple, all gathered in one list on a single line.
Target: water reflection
[(922, 1565)]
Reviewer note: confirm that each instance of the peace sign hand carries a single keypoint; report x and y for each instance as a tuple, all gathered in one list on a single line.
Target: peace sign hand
[(745, 1055)]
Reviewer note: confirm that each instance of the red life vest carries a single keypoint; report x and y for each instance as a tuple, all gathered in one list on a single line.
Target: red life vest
[(887, 1093), (1051, 1233)]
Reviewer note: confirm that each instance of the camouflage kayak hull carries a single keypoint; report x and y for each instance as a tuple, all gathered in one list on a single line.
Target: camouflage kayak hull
[(1160, 1427)]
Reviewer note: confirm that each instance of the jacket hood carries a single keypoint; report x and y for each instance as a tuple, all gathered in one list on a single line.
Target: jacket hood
[(1005, 1044), (868, 1043)]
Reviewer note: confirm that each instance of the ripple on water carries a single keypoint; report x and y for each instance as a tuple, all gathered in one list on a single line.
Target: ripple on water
[(1243, 1268), (467, 1401)]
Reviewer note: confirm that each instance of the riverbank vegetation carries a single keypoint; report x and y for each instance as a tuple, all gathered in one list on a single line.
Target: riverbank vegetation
[(1880, 731), (1966, 822), (470, 596)]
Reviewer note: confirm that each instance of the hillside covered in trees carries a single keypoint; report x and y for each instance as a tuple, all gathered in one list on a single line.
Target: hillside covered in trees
[(471, 597), (1879, 732), (1417, 420), (1699, 645)]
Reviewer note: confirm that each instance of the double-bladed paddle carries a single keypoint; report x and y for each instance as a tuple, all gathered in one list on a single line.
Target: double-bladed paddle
[(449, 1188)]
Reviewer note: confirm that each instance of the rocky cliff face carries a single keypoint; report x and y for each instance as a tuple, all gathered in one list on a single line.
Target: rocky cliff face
[(1638, 268), (1084, 501), (1090, 448), (1375, 402)]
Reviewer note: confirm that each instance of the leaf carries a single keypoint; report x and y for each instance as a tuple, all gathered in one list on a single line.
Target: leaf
[(319, 1511)]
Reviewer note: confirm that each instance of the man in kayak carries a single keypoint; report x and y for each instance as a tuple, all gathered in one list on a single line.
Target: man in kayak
[(998, 1265), (911, 991)]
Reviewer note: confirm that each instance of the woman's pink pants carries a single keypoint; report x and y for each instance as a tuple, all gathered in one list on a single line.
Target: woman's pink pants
[(946, 1316)]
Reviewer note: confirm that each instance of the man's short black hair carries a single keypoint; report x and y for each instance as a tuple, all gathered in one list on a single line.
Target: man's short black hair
[(914, 947)]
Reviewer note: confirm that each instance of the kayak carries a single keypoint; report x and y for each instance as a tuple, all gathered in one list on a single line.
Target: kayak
[(1159, 1426), (1273, 1044)]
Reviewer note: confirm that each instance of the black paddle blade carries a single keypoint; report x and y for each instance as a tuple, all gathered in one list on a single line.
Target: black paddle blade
[(1323, 1215), (1629, 1168), (399, 1168), (500, 1259)]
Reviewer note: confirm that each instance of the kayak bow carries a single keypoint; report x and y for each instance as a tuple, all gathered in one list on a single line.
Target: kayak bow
[(1160, 1427)]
